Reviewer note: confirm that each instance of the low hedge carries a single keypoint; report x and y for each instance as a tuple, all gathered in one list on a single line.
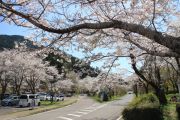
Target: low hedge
[(145, 107), (142, 114)]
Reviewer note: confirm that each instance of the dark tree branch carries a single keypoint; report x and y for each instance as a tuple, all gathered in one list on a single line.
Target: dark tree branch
[(168, 41)]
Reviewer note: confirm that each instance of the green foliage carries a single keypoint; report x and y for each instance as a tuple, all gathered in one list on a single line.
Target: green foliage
[(146, 100), (169, 111), (142, 114), (9, 42), (68, 64), (145, 107), (169, 96), (178, 110), (64, 62)]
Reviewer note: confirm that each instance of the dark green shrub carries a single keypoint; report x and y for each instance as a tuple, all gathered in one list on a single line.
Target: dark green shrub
[(145, 107), (146, 100), (142, 114)]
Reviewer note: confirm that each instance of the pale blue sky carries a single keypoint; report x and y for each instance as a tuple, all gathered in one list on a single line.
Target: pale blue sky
[(17, 30)]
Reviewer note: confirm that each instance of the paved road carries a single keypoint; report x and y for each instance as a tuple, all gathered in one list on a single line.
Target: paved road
[(85, 109)]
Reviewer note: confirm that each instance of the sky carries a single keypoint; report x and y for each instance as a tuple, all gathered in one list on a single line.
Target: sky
[(124, 69)]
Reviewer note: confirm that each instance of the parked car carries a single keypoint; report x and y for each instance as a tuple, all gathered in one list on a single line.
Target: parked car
[(42, 96), (69, 95), (59, 98), (48, 97), (6, 95), (55, 97), (10, 101), (27, 100), (61, 95)]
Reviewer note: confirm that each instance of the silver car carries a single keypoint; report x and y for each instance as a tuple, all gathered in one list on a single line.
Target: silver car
[(10, 101), (27, 100)]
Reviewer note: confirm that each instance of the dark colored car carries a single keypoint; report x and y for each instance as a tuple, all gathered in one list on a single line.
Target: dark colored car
[(61, 95), (69, 95), (4, 96), (10, 101)]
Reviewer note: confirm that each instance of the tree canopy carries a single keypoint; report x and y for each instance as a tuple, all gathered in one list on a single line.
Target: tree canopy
[(149, 25)]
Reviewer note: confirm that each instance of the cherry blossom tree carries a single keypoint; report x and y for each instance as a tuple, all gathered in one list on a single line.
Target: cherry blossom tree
[(24, 67), (116, 26), (101, 22), (112, 84), (5, 71), (65, 85)]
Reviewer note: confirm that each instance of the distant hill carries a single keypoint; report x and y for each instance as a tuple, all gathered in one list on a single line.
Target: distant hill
[(10, 42), (63, 61)]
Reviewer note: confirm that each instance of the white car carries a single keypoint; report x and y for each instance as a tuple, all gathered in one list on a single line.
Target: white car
[(55, 98), (42, 96), (59, 98), (48, 97), (27, 100)]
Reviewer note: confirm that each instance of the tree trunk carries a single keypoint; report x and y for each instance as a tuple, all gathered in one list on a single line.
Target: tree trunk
[(146, 88), (3, 91), (161, 96), (135, 90), (158, 90)]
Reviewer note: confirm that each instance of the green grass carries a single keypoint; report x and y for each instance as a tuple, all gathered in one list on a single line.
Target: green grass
[(96, 98), (150, 101), (145, 100), (143, 107), (169, 111)]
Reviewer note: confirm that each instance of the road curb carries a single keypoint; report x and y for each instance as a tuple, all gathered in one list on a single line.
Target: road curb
[(119, 118)]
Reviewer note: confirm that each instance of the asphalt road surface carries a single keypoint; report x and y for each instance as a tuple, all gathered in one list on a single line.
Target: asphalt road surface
[(85, 109)]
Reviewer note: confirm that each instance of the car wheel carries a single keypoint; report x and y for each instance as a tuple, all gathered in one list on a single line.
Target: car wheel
[(9, 104), (39, 104), (29, 105)]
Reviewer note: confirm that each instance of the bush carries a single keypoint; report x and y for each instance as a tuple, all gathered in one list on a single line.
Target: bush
[(142, 114), (145, 107), (146, 100)]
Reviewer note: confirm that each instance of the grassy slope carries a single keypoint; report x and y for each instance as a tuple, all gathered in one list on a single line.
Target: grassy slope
[(169, 110)]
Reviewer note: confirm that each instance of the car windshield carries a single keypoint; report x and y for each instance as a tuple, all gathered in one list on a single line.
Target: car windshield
[(31, 97), (23, 97), (6, 98)]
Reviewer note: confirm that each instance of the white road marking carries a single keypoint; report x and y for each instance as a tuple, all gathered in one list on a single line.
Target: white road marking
[(86, 110), (95, 108), (65, 118), (91, 109), (75, 115), (119, 118), (82, 112)]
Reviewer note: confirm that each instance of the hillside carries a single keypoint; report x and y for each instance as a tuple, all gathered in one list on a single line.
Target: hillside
[(64, 62)]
